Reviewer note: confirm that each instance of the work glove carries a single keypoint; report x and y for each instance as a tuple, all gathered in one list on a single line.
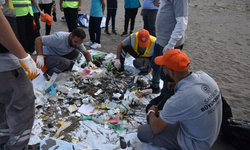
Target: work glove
[(117, 63), (166, 48), (30, 66), (39, 61), (91, 65)]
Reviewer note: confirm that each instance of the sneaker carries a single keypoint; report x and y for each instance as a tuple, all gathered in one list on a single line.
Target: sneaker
[(46, 76), (154, 101), (113, 31), (106, 32), (124, 33), (54, 16), (34, 53), (130, 32), (89, 43), (154, 90), (96, 45), (143, 73)]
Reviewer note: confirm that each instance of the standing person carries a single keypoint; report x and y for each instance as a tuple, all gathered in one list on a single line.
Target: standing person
[(111, 13), (191, 118), (131, 9), (70, 9), (47, 6), (36, 19), (96, 14), (171, 23), (149, 12), (17, 109), (24, 19)]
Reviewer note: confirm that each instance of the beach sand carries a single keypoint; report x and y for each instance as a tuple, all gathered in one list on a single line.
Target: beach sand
[(218, 43)]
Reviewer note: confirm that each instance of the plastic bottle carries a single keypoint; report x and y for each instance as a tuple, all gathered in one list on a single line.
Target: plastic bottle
[(98, 56)]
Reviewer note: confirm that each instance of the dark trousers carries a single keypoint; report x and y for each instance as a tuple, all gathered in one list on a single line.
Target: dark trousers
[(130, 13), (111, 13), (149, 16), (95, 29), (47, 9), (37, 30), (26, 33), (71, 18), (140, 63), (60, 63)]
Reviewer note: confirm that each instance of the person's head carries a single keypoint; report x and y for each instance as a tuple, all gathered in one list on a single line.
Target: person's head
[(143, 38), (175, 64), (76, 37)]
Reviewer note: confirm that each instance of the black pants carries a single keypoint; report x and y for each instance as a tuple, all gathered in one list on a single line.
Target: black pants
[(111, 13), (130, 13), (95, 29), (47, 9), (71, 18), (37, 30), (26, 33)]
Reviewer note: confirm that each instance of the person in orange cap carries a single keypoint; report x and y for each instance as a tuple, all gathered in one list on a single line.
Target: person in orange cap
[(191, 118), (140, 45)]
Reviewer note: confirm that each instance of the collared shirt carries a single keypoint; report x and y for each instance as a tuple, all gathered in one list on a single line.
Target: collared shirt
[(58, 44)]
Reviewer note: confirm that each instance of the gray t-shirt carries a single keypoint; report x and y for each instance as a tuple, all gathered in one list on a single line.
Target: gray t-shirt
[(197, 105), (58, 44)]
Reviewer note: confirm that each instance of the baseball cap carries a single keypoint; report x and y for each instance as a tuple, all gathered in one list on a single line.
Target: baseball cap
[(143, 38), (174, 59), (47, 18)]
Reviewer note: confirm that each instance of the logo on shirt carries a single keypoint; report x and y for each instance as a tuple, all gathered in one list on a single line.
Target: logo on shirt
[(205, 88)]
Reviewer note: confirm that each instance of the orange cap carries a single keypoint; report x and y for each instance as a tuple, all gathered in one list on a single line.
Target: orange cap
[(174, 59), (34, 25), (47, 18), (143, 38)]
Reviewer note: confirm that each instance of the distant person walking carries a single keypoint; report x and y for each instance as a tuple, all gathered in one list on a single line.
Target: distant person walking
[(111, 13)]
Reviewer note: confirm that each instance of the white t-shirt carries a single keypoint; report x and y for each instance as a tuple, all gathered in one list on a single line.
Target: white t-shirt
[(45, 1), (197, 105)]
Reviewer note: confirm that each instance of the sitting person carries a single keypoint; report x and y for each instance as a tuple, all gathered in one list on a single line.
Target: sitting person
[(61, 50), (140, 45), (192, 117)]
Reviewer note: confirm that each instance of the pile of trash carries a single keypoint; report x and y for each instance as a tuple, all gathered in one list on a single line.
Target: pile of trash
[(91, 107)]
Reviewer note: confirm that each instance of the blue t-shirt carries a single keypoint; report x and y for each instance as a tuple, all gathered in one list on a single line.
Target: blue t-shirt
[(132, 4), (148, 4), (58, 44), (96, 8), (197, 105), (35, 10)]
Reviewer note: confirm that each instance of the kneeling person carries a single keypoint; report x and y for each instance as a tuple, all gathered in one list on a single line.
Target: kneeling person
[(192, 117), (61, 50), (140, 45)]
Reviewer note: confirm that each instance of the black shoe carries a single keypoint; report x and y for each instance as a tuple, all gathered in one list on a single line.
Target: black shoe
[(113, 31), (143, 73), (124, 33), (106, 32), (46, 76), (54, 16), (154, 101), (130, 32), (154, 90)]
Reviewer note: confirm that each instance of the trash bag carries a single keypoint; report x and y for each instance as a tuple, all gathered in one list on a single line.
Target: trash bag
[(237, 133)]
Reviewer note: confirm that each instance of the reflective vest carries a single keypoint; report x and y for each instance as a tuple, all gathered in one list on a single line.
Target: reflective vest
[(134, 43), (22, 7), (9, 13), (70, 3)]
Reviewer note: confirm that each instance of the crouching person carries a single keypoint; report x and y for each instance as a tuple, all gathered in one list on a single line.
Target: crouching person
[(191, 118)]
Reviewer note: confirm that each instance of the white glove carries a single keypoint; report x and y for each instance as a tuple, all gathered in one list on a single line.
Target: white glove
[(167, 47), (117, 63), (90, 64), (39, 61), (30, 66)]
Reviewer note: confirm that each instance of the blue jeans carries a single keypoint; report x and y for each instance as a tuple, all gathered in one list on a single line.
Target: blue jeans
[(149, 16), (157, 70)]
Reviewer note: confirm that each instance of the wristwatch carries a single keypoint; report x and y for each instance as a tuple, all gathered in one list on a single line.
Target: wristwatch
[(150, 112)]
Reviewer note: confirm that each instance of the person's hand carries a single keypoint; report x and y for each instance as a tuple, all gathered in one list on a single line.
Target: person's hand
[(61, 8), (39, 61), (117, 63), (30, 66), (142, 12), (156, 3), (53, 8), (171, 85), (79, 8), (42, 13), (154, 108), (91, 65), (167, 47)]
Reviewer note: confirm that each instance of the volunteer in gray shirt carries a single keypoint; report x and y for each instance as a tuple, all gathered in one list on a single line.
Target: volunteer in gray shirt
[(61, 50), (191, 118)]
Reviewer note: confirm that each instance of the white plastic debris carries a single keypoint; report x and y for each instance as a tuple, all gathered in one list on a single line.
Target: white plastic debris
[(99, 92), (72, 108), (63, 127)]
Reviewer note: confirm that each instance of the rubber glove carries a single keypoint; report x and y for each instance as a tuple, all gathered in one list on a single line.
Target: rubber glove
[(117, 63), (30, 66), (167, 47), (39, 61), (91, 65)]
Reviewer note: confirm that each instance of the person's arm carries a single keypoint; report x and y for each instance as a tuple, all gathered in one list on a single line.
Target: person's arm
[(156, 124), (79, 5), (103, 6), (38, 8), (53, 7), (87, 55), (39, 45), (61, 6), (156, 3), (119, 49)]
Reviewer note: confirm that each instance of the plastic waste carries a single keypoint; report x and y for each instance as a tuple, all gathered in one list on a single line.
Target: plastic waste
[(94, 57), (63, 127)]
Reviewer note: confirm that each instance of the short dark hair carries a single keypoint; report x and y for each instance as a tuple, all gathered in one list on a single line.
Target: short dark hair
[(79, 33)]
